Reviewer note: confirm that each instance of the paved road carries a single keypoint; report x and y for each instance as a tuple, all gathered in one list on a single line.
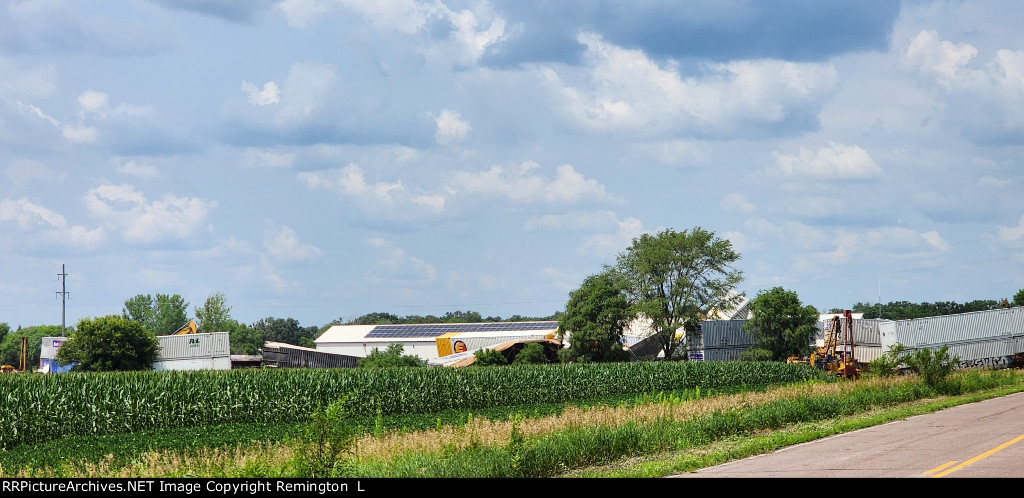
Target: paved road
[(983, 439)]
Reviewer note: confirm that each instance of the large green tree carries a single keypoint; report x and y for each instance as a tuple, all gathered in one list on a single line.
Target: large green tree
[(162, 315), (1018, 298), (215, 314), (286, 330), (10, 346), (675, 279), (781, 323), (594, 318), (109, 343)]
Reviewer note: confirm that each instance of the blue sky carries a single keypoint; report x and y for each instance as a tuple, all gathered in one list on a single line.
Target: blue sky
[(322, 159)]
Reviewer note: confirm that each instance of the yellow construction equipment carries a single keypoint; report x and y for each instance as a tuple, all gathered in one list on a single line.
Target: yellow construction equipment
[(835, 355), (22, 367), (188, 328)]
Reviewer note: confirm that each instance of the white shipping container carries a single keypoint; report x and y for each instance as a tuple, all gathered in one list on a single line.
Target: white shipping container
[(950, 329), (471, 341), (50, 346), (186, 346), (211, 363), (980, 338)]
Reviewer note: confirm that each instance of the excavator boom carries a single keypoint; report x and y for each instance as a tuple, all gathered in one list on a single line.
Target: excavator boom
[(188, 328)]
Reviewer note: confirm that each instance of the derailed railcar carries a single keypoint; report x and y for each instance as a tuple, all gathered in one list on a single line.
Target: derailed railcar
[(282, 355), (989, 339), (202, 351), (724, 340)]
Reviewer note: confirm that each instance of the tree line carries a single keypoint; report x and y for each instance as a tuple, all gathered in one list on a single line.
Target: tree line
[(905, 310)]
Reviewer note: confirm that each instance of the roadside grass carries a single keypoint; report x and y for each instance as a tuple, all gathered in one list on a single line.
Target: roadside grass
[(739, 447)]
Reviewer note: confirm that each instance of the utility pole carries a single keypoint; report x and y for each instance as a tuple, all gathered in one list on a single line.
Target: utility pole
[(63, 293)]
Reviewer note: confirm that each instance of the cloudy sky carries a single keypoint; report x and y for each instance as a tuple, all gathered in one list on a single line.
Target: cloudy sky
[(322, 159)]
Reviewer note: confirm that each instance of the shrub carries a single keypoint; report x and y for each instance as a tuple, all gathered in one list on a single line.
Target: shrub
[(489, 357), (888, 364), (932, 366), (756, 354), (531, 353), (392, 357), (325, 445)]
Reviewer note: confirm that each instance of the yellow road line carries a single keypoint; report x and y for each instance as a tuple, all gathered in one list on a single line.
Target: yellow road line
[(940, 467), (983, 455)]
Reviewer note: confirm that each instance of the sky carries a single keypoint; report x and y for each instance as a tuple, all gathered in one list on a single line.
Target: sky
[(324, 159)]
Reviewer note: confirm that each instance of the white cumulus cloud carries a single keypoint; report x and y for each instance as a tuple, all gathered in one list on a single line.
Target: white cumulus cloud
[(522, 184), (837, 161), (1013, 233), (123, 208), (942, 58), (451, 128), (50, 226), (629, 92), (284, 246), (268, 95)]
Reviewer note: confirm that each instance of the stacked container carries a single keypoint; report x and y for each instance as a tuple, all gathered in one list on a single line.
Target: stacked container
[(989, 339), (724, 340), (204, 351)]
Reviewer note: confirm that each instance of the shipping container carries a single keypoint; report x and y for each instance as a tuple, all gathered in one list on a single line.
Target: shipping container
[(188, 346), (452, 343), (208, 363), (49, 347), (990, 338), (48, 355), (204, 351)]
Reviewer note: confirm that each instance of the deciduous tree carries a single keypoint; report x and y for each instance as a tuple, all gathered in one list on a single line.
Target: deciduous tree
[(162, 315), (594, 318), (675, 279), (781, 323), (109, 343)]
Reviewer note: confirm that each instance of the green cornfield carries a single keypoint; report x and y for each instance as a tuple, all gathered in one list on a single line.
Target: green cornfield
[(36, 408)]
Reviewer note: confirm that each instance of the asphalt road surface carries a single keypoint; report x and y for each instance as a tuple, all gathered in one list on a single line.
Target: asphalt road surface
[(983, 439)]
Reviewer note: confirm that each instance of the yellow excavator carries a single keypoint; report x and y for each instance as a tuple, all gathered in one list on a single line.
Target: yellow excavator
[(829, 356), (188, 328)]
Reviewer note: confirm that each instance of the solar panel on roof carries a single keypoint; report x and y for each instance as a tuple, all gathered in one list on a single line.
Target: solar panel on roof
[(436, 329)]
